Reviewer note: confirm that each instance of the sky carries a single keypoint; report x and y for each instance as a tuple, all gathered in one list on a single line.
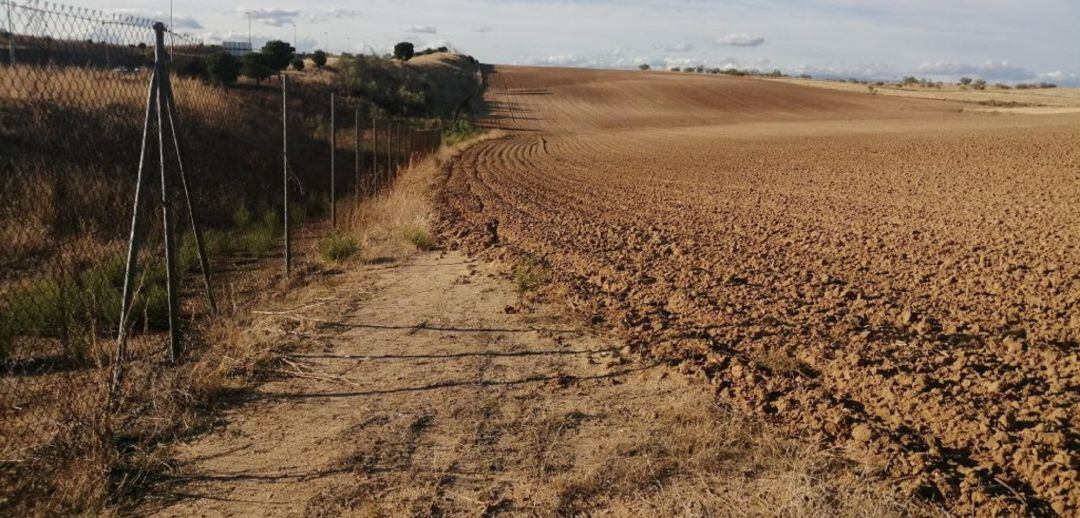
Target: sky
[(997, 40)]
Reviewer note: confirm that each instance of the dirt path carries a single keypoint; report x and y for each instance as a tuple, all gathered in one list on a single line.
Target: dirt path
[(435, 390)]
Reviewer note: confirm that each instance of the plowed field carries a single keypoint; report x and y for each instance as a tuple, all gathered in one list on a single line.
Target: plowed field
[(893, 276)]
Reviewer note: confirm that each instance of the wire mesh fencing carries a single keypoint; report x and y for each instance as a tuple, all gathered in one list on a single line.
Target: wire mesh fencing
[(76, 128)]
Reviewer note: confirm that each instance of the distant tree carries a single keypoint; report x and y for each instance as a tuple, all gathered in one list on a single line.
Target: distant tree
[(910, 80), (190, 66), (644, 66), (278, 54), (298, 64), (319, 58), (965, 81), (979, 84), (222, 68), (254, 66), (404, 51)]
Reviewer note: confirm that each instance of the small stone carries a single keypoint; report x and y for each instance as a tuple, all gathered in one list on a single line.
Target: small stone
[(862, 433)]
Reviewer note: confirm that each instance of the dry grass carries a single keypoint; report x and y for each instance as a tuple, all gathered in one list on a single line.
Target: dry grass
[(689, 463), (395, 223)]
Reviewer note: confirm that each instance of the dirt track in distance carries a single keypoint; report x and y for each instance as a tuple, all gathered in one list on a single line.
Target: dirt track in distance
[(893, 276)]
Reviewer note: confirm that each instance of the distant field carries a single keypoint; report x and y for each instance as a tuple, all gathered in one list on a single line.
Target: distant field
[(1045, 99)]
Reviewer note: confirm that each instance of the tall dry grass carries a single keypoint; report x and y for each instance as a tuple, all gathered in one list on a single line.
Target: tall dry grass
[(397, 221), (69, 150)]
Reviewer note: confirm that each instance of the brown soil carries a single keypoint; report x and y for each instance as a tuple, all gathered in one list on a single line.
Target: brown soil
[(431, 388), (894, 276)]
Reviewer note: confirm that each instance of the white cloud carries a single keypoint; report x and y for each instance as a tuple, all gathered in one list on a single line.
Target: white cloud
[(271, 17), (420, 29), (862, 71), (178, 22), (680, 47), (741, 40), (482, 29), (332, 13), (991, 70), (1061, 78)]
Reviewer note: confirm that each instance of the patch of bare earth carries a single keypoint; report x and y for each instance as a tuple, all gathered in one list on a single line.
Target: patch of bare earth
[(893, 276), (432, 387)]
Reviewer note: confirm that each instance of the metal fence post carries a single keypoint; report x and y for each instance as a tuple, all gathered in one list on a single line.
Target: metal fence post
[(160, 58), (285, 169), (11, 33), (200, 246), (333, 155), (374, 155), (134, 243), (356, 152)]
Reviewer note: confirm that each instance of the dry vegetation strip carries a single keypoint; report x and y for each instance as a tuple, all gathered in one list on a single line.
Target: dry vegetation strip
[(888, 275)]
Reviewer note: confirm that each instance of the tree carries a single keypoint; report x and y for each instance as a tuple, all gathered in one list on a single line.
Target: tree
[(979, 84), (404, 51), (298, 64), (278, 54), (223, 68), (644, 66), (965, 81), (255, 67), (319, 58)]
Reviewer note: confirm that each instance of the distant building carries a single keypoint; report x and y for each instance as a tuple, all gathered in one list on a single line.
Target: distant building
[(237, 48)]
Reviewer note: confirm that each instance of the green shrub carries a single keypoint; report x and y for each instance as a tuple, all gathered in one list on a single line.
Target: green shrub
[(418, 237), (257, 241), (73, 308), (529, 275), (459, 131), (317, 205), (242, 217), (271, 221), (339, 246)]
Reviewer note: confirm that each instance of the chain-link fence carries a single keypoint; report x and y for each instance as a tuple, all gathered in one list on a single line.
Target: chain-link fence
[(75, 115)]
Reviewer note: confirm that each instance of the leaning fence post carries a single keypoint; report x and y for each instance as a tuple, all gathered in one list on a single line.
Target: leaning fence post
[(134, 243), (285, 168), (333, 155)]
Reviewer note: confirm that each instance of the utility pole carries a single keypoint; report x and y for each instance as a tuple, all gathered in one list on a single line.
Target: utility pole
[(251, 46)]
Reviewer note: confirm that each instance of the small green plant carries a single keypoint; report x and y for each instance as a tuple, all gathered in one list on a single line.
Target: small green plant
[(257, 241), (75, 308), (271, 221), (317, 205), (339, 246), (418, 237), (529, 275), (242, 217), (459, 131)]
